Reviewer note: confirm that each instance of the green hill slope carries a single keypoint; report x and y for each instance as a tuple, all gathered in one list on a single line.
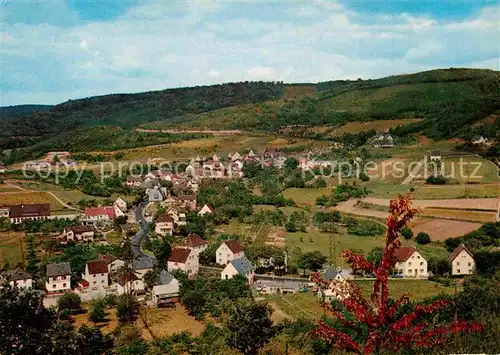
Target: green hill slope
[(450, 101)]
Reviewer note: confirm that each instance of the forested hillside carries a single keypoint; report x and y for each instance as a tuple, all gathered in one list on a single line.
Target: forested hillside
[(450, 102), (130, 110)]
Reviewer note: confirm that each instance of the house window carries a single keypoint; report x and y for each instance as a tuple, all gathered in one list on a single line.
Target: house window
[(64, 285), (93, 275), (102, 274), (54, 279), (409, 264), (53, 286), (458, 271), (421, 270), (94, 282), (470, 271), (421, 263), (470, 264), (418, 256)]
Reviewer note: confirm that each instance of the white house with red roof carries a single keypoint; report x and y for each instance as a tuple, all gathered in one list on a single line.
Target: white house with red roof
[(228, 251), (164, 224), (462, 261), (206, 209), (97, 214), (410, 263), (195, 243), (184, 259), (96, 273)]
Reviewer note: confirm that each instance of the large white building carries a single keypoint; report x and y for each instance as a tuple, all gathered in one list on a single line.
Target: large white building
[(410, 263), (58, 277), (462, 261), (96, 274), (228, 251)]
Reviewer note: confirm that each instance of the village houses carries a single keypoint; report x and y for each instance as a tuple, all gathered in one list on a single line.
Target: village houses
[(228, 251), (128, 282), (241, 266), (166, 290), (33, 212), (185, 260), (164, 224), (112, 263), (58, 277), (206, 209), (100, 214), (195, 243), (410, 263), (462, 261), (77, 234), (18, 277)]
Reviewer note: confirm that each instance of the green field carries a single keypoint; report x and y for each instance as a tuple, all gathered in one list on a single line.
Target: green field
[(306, 305), (297, 305), (417, 289), (315, 240), (306, 196)]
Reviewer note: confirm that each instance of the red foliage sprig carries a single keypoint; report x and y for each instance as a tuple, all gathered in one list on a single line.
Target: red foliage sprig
[(388, 329)]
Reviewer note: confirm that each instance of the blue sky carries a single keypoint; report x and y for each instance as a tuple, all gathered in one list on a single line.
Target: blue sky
[(55, 50)]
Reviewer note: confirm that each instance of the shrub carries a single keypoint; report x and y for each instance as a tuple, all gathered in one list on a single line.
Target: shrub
[(407, 233), (97, 313), (70, 302), (437, 180), (423, 238)]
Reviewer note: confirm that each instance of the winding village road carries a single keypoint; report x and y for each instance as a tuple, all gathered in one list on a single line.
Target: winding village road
[(143, 231)]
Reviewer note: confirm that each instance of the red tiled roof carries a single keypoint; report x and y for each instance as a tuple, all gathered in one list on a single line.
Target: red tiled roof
[(124, 278), (193, 241), (107, 258), (32, 210), (234, 246), (97, 267), (100, 211), (166, 218), (179, 255), (458, 250), (404, 253)]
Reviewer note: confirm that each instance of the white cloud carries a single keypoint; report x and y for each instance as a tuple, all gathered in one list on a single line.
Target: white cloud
[(156, 45)]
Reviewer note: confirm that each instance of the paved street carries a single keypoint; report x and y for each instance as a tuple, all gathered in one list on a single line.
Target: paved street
[(143, 230)]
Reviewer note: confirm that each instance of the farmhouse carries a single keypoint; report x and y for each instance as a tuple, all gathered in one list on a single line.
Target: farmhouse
[(478, 140), (19, 278), (77, 234), (112, 263), (337, 274), (278, 286), (164, 225), (228, 251), (121, 204), (155, 195), (133, 181), (194, 243), (410, 263), (4, 211), (462, 261), (241, 266), (206, 209), (58, 277), (142, 265), (383, 140), (128, 282), (98, 214), (166, 290), (178, 217), (435, 156), (35, 212), (185, 201), (185, 260)]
